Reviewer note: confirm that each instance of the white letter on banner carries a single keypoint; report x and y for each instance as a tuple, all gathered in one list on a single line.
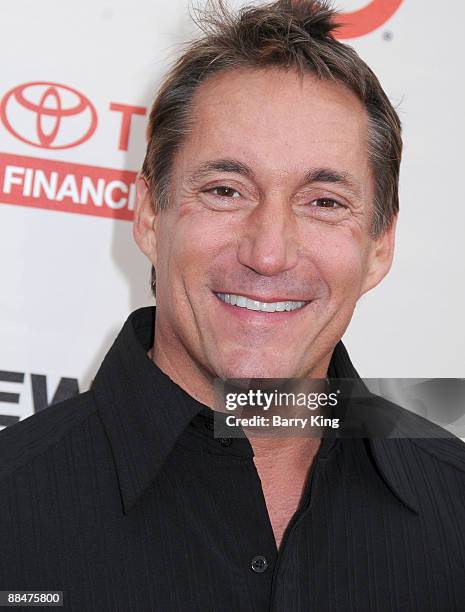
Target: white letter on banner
[(88, 189), (49, 186), (68, 189), (12, 178), (109, 201)]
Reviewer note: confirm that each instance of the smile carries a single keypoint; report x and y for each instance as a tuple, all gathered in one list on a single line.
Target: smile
[(245, 302)]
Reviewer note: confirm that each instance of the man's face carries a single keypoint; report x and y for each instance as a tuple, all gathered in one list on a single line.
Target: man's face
[(272, 196)]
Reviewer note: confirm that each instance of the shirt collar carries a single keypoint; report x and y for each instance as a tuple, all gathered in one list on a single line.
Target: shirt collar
[(144, 412)]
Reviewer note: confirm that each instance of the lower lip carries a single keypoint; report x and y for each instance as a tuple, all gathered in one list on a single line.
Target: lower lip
[(258, 316)]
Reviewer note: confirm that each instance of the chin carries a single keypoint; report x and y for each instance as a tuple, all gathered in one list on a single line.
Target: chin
[(257, 371)]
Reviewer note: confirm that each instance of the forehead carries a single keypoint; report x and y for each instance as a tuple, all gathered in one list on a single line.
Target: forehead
[(272, 118)]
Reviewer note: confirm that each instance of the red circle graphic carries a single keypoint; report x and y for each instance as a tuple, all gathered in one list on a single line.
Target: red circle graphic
[(52, 91), (361, 22)]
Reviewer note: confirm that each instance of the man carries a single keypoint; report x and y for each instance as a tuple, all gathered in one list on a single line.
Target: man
[(267, 204)]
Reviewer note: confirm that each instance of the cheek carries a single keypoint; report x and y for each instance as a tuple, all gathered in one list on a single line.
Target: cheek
[(189, 244), (338, 256)]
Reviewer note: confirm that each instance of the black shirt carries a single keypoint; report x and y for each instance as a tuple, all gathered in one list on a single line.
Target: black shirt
[(123, 498)]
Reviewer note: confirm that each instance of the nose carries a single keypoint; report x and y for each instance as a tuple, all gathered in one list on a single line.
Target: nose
[(268, 244)]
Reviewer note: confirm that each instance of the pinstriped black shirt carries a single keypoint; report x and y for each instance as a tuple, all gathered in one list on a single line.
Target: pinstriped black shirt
[(123, 498)]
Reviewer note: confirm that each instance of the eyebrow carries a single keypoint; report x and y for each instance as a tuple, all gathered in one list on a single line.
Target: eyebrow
[(313, 175), (220, 165), (338, 177)]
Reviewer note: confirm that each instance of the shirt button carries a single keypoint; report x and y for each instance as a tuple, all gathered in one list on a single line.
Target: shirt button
[(259, 564), (225, 441)]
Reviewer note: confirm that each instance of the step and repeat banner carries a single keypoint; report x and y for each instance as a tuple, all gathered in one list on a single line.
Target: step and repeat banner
[(76, 85)]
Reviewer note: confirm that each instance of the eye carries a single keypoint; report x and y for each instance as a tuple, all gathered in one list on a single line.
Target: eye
[(326, 203), (223, 191)]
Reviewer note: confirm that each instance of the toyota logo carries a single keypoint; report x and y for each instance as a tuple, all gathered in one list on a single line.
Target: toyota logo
[(48, 115), (367, 19)]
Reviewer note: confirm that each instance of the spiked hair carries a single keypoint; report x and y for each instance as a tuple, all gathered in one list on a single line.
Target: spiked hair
[(297, 34)]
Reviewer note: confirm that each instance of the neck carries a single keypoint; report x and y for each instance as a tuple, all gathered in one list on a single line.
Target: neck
[(275, 451), (199, 384), (283, 466), (282, 463)]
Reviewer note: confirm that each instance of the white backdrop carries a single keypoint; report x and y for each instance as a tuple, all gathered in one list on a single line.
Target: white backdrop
[(70, 272)]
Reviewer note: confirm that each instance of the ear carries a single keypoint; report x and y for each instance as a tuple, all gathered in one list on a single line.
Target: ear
[(144, 230), (380, 258)]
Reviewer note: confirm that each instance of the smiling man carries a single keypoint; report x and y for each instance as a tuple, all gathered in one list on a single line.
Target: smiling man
[(267, 205), (273, 209)]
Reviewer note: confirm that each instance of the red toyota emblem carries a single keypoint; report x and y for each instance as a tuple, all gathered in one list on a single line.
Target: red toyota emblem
[(48, 115), (367, 19)]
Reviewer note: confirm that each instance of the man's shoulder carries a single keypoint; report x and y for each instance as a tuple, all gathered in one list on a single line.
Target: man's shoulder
[(424, 434), (421, 454), (449, 451), (434, 468), (21, 442)]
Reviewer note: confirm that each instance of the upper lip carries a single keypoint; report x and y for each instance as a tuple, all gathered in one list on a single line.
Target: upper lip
[(262, 298)]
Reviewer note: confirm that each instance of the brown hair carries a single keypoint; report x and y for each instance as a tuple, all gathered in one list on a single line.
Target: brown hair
[(294, 34)]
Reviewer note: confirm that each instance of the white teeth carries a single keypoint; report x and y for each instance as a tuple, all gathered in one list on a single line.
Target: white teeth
[(243, 302), (265, 307)]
